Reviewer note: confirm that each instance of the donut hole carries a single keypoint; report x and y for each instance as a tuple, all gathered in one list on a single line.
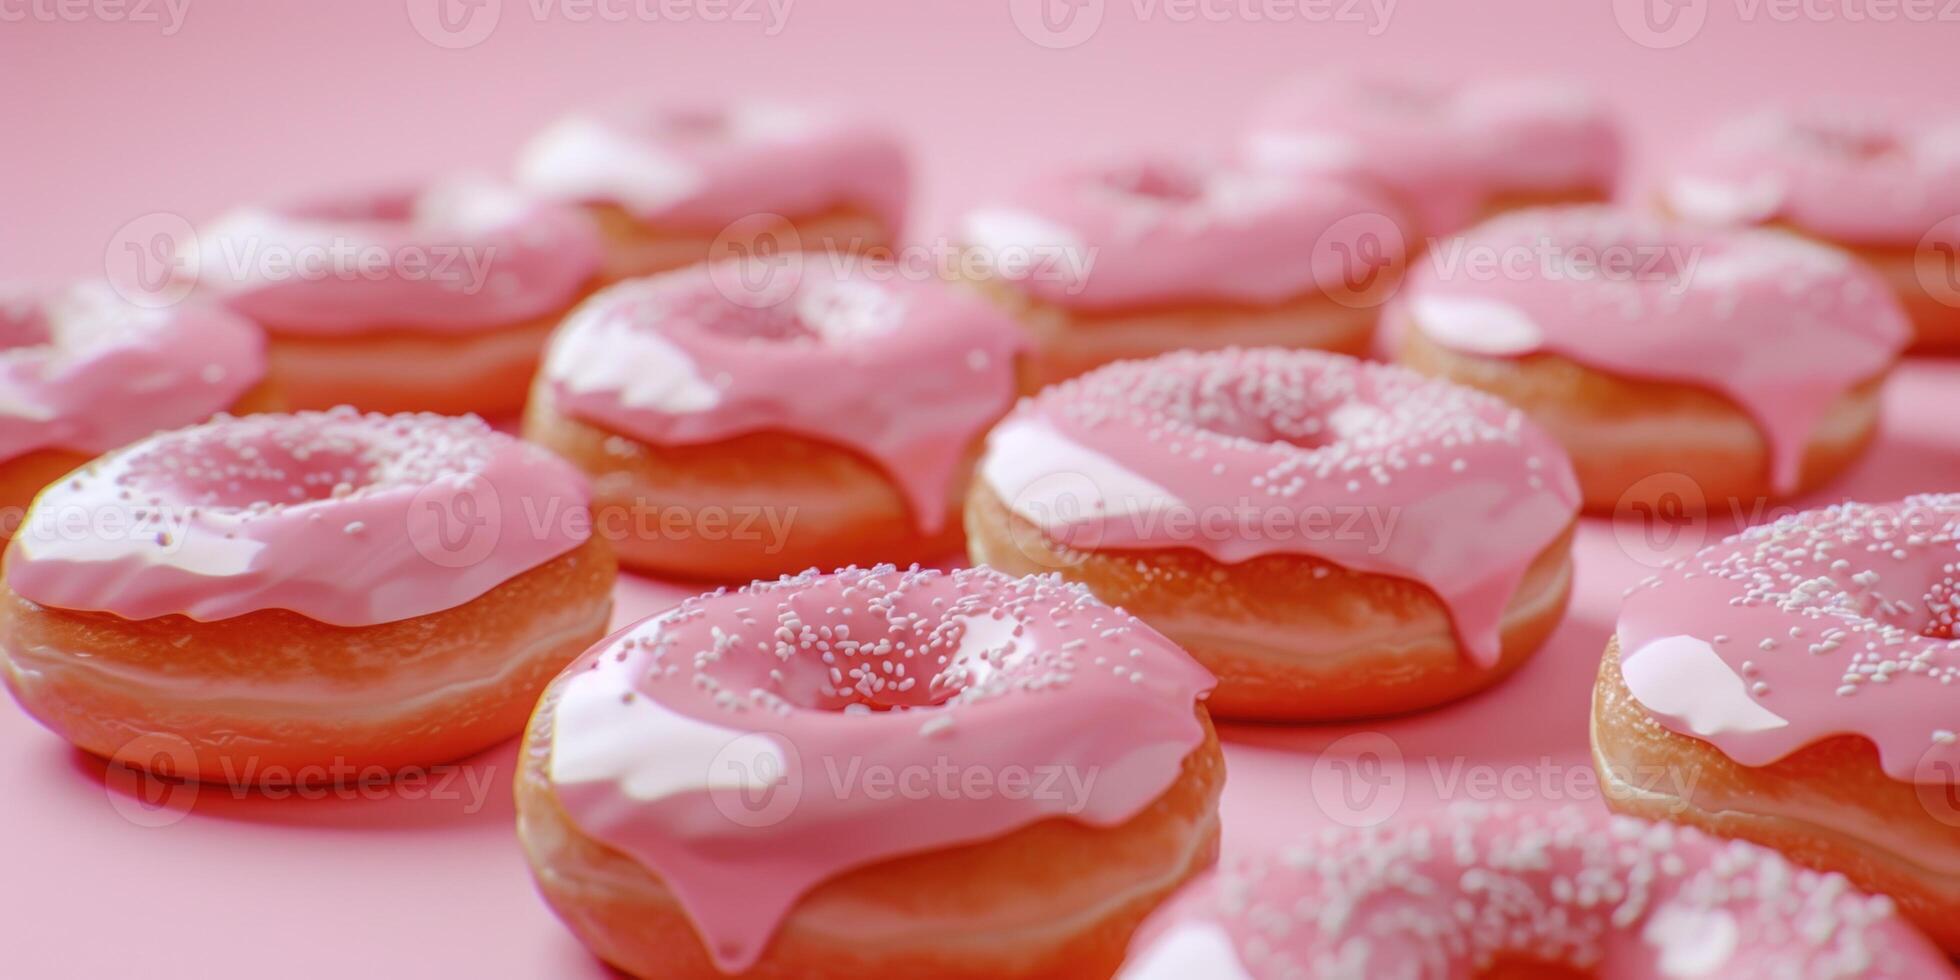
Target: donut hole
[(1157, 182), (247, 470), (814, 312), (24, 324)]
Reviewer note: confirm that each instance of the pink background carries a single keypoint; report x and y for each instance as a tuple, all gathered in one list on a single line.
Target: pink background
[(108, 122)]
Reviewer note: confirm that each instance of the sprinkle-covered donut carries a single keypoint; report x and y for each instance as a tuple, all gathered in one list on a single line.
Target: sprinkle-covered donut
[(1482, 889), (1135, 258), (83, 372), (337, 516), (1451, 155), (914, 772), (1746, 360), (1811, 668), (667, 183), (332, 589), (1162, 481), (432, 297), (850, 399), (1844, 176), (1888, 191)]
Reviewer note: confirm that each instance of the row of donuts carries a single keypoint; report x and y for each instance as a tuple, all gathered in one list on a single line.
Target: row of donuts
[(1029, 754), (1377, 423)]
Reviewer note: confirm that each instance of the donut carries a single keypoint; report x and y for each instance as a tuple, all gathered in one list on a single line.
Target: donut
[(1331, 538), (744, 419), (1803, 677), (1888, 192), (872, 773), (1450, 154), (1497, 891), (324, 592), (672, 186), (1135, 258), (435, 298), (1677, 364), (85, 371)]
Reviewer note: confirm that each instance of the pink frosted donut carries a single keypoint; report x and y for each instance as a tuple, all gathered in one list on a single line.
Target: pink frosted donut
[(83, 372), (844, 404), (1134, 259), (1332, 538), (669, 185), (430, 298), (1888, 191), (310, 589), (1451, 155), (871, 768), (1476, 889), (1742, 364), (1809, 669)]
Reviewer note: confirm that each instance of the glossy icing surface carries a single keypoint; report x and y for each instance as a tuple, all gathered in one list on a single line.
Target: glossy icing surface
[(456, 256), (1452, 894), (1843, 175), (1443, 151), (906, 372), (735, 745), (84, 371), (702, 168), (1166, 230), (1242, 453), (1839, 621), (1782, 327), (348, 519)]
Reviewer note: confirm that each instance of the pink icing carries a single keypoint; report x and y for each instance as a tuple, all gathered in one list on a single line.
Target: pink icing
[(1449, 894), (1183, 230), (712, 743), (1831, 622), (83, 371), (704, 168), (1842, 175), (457, 256), (1442, 151), (348, 519), (1781, 327), (905, 372), (1239, 454)]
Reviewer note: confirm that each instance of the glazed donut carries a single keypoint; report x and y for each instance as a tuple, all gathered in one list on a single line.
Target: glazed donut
[(1499, 892), (315, 590), (436, 298), (1450, 155), (1747, 362), (84, 372), (1800, 676), (821, 777), (745, 419), (1887, 192), (671, 187), (1333, 539), (1134, 259)]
